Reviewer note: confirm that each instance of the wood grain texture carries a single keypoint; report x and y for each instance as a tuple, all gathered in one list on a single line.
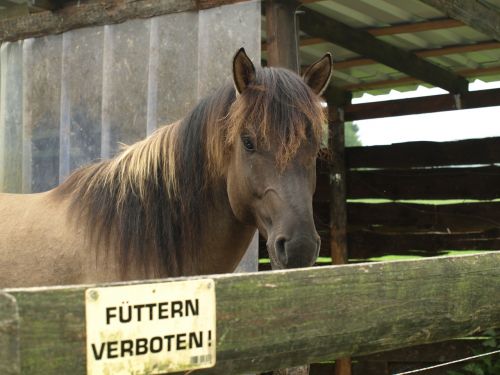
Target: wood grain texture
[(476, 14), (96, 13), (399, 217), (283, 319), (282, 35), (425, 154), (318, 25), (407, 217), (428, 104), (439, 183)]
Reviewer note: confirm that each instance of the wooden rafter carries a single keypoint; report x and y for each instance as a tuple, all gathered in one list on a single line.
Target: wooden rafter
[(437, 24), (404, 81), (415, 27), (318, 25), (474, 13), (442, 51)]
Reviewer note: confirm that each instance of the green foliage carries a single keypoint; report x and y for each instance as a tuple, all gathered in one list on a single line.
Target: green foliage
[(351, 135), (488, 365)]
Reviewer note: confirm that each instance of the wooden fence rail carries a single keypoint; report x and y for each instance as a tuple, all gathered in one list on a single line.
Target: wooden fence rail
[(280, 319)]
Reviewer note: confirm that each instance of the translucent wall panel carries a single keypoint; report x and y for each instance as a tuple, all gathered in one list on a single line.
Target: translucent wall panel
[(41, 114), (67, 100), (126, 82), (81, 93), (11, 126), (177, 67)]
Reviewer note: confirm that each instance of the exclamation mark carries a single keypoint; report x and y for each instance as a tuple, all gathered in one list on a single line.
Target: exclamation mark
[(210, 338)]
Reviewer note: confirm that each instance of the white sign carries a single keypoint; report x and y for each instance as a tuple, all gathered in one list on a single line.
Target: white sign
[(151, 328)]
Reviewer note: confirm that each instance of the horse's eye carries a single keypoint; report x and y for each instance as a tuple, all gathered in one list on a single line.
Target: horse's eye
[(247, 143)]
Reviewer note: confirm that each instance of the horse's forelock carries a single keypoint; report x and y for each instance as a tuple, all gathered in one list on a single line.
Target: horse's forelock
[(277, 106)]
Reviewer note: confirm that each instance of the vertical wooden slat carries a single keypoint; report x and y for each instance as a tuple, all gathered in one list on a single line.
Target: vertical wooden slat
[(9, 335), (338, 210), (338, 218)]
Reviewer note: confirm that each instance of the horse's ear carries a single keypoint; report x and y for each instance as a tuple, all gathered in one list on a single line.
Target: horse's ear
[(243, 70), (317, 76)]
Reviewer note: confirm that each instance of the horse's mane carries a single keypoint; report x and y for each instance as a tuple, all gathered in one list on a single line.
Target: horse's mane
[(147, 203)]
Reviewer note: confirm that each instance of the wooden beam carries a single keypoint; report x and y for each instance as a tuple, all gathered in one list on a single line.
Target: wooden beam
[(338, 211), (438, 183), (436, 24), (405, 81), (426, 104), (412, 217), (284, 318), (442, 51), (282, 35), (415, 27), (402, 217), (337, 185), (369, 244), (425, 154), (361, 42), (474, 13), (95, 14)]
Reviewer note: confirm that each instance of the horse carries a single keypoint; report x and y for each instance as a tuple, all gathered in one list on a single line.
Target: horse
[(186, 200)]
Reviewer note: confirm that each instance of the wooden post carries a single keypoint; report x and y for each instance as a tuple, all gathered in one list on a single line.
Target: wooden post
[(282, 50), (9, 335), (282, 46), (338, 211)]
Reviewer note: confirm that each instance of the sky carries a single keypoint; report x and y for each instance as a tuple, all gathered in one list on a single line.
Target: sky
[(440, 126)]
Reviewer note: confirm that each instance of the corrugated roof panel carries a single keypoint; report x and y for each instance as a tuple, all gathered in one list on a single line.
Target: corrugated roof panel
[(366, 14)]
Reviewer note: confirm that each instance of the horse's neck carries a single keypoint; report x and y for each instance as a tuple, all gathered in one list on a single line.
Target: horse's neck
[(225, 238)]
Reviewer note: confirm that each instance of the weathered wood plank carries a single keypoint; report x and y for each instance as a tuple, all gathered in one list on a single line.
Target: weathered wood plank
[(282, 319), (365, 244), (412, 217), (476, 14), (95, 14), (9, 330), (428, 104), (318, 25), (438, 183), (425, 154), (453, 218)]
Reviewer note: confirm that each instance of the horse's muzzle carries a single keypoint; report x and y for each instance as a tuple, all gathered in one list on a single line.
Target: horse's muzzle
[(296, 252)]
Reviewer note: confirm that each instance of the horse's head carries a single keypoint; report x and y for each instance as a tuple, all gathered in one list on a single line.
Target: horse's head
[(275, 132)]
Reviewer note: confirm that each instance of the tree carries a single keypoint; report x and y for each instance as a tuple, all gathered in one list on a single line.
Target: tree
[(351, 135)]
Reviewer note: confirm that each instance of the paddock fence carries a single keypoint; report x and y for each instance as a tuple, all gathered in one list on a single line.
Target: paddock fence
[(271, 320)]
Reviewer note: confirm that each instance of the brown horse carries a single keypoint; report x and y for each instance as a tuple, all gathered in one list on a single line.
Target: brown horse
[(186, 200)]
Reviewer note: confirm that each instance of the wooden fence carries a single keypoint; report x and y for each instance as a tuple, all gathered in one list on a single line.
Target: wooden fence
[(461, 170), (279, 319)]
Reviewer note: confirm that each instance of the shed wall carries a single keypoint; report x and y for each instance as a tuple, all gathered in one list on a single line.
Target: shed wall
[(69, 99)]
